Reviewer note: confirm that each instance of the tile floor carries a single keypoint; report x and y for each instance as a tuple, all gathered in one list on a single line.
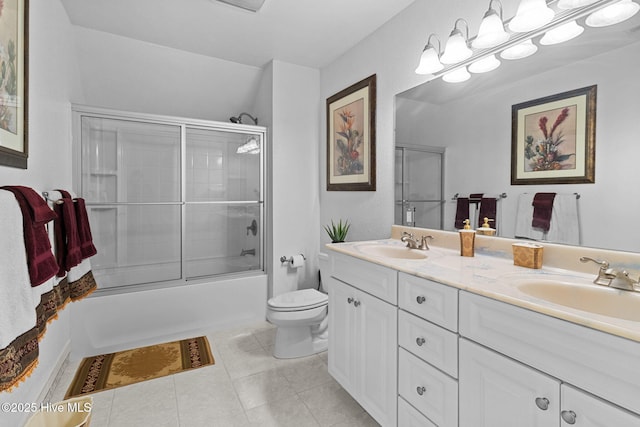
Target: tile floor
[(247, 386)]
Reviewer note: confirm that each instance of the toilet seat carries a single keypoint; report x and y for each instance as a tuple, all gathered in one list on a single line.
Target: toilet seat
[(304, 299)]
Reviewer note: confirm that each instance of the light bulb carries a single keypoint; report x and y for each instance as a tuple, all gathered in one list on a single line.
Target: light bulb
[(519, 51), (613, 14), (457, 76), (485, 64), (429, 61), (456, 49), (562, 33), (491, 32), (531, 14)]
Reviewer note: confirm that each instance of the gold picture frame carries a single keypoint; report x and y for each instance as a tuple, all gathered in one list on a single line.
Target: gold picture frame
[(14, 73), (553, 139), (351, 138)]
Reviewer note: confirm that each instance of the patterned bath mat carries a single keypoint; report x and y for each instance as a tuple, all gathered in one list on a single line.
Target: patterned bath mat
[(108, 371)]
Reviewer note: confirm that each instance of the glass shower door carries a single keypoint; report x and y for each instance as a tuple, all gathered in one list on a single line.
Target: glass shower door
[(419, 187), (130, 174), (170, 200), (223, 205)]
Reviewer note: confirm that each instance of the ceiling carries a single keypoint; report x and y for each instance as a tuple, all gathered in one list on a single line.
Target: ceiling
[(312, 33)]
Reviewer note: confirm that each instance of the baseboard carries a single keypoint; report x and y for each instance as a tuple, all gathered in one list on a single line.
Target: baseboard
[(56, 373)]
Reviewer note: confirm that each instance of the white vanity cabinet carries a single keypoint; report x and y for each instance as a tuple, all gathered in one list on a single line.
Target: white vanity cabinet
[(558, 371), (363, 334), (428, 353), (415, 352)]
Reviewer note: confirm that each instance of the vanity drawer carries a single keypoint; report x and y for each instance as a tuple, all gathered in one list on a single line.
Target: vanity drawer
[(429, 342), (430, 300), (408, 416), (379, 281), (432, 392)]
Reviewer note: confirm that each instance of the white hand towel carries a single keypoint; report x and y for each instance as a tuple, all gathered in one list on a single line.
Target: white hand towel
[(524, 217), (565, 223), (17, 313)]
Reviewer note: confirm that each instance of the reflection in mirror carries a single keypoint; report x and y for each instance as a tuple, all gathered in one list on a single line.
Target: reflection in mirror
[(471, 121), (418, 186)]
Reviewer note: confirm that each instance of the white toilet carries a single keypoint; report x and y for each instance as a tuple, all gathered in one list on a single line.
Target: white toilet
[(301, 318)]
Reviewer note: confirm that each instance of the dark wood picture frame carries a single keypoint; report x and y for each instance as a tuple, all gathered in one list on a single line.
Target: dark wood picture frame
[(553, 139), (14, 79), (351, 138)]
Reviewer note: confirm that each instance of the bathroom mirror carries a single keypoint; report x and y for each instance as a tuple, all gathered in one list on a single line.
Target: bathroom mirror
[(472, 122)]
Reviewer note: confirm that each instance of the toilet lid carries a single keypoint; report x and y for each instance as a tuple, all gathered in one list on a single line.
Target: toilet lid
[(304, 299)]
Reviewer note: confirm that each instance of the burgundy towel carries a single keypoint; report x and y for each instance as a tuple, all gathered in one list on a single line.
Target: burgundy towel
[(41, 262), (68, 252), (84, 229), (542, 208), (488, 207), (462, 212)]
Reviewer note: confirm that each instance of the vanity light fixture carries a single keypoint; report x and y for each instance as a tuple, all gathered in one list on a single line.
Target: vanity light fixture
[(531, 14), (572, 4), (485, 65), (561, 34), (458, 59), (430, 58), (519, 51), (457, 48), (251, 5), (458, 75), (613, 14), (491, 32)]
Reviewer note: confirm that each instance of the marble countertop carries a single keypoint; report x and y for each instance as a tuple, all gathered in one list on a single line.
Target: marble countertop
[(499, 279)]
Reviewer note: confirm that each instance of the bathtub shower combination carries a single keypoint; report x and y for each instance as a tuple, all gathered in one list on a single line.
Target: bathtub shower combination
[(170, 200)]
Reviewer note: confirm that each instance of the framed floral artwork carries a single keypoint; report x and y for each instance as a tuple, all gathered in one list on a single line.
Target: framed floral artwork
[(14, 36), (553, 139), (351, 138)]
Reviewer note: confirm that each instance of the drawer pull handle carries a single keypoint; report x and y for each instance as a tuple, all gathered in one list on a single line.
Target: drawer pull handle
[(421, 390), (542, 403), (569, 417), (356, 303), (420, 341), (349, 300), (420, 299)]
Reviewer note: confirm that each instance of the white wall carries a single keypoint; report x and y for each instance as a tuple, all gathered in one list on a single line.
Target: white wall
[(130, 75), (392, 53), (53, 82), (294, 166)]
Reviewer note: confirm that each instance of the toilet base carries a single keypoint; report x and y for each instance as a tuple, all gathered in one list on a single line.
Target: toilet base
[(297, 341)]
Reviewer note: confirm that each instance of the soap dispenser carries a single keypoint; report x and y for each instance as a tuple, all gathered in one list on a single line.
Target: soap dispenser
[(486, 229), (467, 240)]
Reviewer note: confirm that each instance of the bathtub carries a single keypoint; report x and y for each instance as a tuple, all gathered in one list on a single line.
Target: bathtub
[(108, 323)]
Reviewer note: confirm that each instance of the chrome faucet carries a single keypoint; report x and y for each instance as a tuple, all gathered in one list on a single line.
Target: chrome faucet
[(413, 243), (612, 278)]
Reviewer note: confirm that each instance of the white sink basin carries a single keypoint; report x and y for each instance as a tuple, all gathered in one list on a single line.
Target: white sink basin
[(396, 252), (589, 298)]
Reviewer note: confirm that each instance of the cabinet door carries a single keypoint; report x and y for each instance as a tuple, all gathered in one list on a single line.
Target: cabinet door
[(342, 333), (498, 392), (584, 410), (377, 357)]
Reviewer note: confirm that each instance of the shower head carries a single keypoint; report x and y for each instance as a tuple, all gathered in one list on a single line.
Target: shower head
[(239, 118)]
